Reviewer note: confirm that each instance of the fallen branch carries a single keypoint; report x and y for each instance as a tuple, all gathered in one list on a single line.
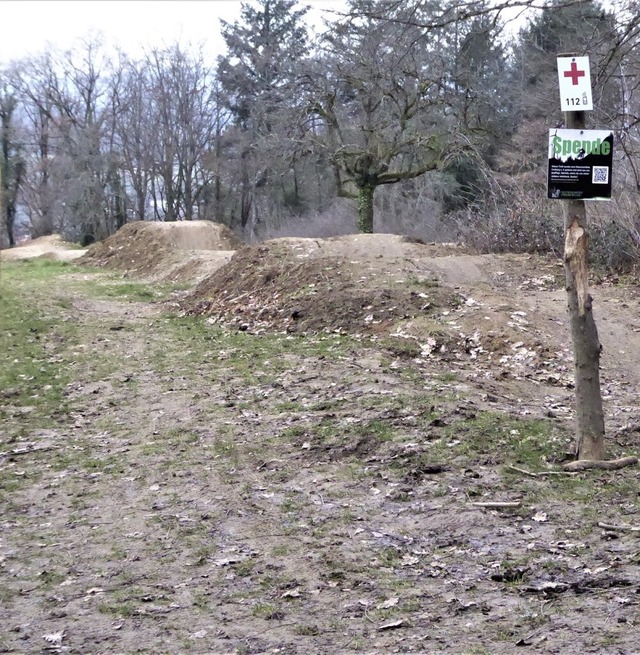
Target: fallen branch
[(540, 474), (619, 528), (523, 471), (608, 465), (27, 451), (498, 505)]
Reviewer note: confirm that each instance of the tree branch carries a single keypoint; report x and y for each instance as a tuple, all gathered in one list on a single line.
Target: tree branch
[(608, 465)]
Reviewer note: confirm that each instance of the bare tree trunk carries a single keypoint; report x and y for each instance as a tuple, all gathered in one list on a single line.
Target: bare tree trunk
[(120, 202), (10, 169), (246, 196), (10, 202), (170, 214), (218, 198), (141, 203), (586, 345), (2, 218), (365, 208), (5, 224), (187, 193), (45, 224), (9, 187)]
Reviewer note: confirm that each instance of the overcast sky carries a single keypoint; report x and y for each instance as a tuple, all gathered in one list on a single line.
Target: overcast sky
[(28, 25)]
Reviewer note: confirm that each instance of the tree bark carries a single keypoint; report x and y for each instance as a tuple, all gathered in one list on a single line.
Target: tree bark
[(170, 215), (586, 345), (2, 225), (10, 218), (120, 203), (365, 208)]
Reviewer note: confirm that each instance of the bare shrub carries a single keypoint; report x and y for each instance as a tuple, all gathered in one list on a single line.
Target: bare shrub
[(514, 216), (339, 219), (413, 208), (615, 230)]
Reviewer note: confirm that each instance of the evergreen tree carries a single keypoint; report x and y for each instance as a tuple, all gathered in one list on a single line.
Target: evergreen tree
[(258, 77), (479, 95), (581, 29)]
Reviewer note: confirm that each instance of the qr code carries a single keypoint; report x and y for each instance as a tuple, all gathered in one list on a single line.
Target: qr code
[(600, 175)]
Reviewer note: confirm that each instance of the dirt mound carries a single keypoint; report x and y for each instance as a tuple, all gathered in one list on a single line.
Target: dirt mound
[(355, 284), (420, 301), (173, 251), (51, 247), (191, 266)]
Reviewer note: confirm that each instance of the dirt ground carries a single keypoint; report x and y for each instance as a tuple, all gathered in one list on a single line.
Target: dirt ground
[(291, 455), (51, 246)]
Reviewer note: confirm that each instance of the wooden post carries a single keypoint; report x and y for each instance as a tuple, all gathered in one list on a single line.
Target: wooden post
[(586, 345)]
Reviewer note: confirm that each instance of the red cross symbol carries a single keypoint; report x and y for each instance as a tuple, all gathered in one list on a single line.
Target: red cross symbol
[(574, 73)]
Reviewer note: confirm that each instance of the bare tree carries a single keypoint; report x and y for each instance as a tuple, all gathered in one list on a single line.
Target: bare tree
[(11, 161), (134, 132), (380, 92), (33, 78), (181, 122), (65, 99)]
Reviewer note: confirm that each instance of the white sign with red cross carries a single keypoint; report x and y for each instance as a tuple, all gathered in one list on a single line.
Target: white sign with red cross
[(574, 76)]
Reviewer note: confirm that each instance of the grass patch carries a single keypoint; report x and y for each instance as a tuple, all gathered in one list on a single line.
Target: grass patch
[(124, 610), (502, 439), (422, 282), (250, 356), (132, 291), (31, 270), (135, 291), (32, 338), (307, 630), (267, 612)]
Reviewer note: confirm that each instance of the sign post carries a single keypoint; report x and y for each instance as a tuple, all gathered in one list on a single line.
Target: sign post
[(574, 77), (575, 94)]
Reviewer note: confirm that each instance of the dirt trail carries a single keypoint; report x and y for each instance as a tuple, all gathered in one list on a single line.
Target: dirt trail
[(219, 491)]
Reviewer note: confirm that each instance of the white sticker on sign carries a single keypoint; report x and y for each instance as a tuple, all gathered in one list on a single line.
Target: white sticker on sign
[(574, 77)]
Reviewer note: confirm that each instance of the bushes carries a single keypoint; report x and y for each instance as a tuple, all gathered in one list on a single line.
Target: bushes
[(516, 216), (512, 216), (612, 248)]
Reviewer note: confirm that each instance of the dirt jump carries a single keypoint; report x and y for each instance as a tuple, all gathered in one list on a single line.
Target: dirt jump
[(166, 251), (53, 247)]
